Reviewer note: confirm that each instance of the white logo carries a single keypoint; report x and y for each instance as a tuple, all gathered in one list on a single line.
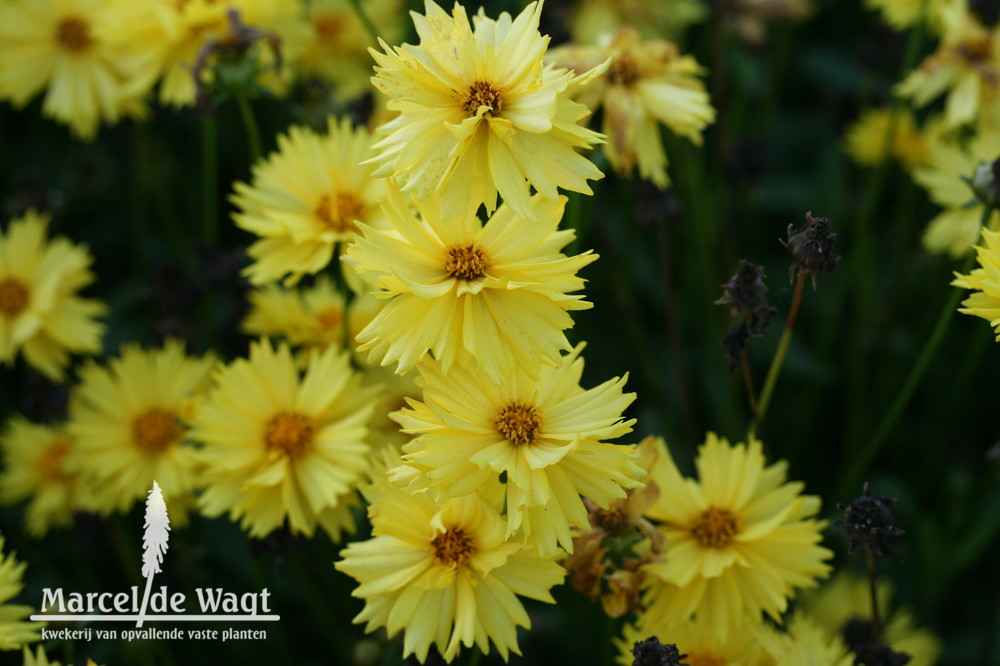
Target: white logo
[(166, 606)]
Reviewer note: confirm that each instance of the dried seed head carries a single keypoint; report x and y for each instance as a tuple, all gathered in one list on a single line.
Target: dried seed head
[(879, 654), (651, 652), (986, 183), (868, 521), (745, 291), (812, 247)]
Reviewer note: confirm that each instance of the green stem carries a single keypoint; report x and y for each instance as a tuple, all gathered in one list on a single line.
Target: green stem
[(365, 20), (779, 355), (209, 177), (868, 453), (873, 591), (250, 123)]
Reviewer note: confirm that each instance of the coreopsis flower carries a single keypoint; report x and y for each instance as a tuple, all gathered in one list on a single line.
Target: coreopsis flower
[(593, 20), (494, 295), (277, 446), (606, 562), (481, 114), (14, 631), (305, 199), (966, 66), (648, 83), (545, 435), (867, 140), (947, 181), (178, 33), (41, 314), (904, 14), (842, 607), (739, 541), (34, 469), (307, 317), (697, 639), (74, 50), (128, 420), (338, 49), (985, 300), (802, 641), (444, 573)]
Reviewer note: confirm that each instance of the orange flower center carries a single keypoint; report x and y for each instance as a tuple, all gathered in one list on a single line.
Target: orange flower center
[(339, 215), (704, 659), (14, 297), (715, 528), (482, 93), (329, 319), (288, 433), (624, 71), (453, 547), (977, 49), (73, 34), (466, 261), (328, 26), (50, 463), (155, 429), (519, 423)]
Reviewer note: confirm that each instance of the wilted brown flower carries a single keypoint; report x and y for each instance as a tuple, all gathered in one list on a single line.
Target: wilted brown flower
[(812, 247), (868, 521)]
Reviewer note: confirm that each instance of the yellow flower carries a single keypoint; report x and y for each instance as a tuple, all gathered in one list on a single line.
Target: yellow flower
[(985, 281), (74, 50), (966, 65), (14, 632), (545, 435), (308, 317), (957, 228), (42, 659), (492, 295), (40, 312), (276, 446), (444, 573), (479, 113), (127, 420), (738, 542), (803, 642), (701, 644), (593, 20), (866, 139), (35, 468), (338, 49), (648, 83), (904, 14), (842, 607), (305, 198), (177, 30)]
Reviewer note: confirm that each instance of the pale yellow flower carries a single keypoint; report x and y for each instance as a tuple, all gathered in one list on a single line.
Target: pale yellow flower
[(648, 83), (41, 314), (480, 114), (444, 574), (305, 199), (76, 51), (965, 66)]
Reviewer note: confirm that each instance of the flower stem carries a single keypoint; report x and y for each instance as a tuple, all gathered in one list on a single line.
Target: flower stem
[(872, 589), (779, 355), (888, 422), (365, 20), (250, 123), (748, 383), (209, 177)]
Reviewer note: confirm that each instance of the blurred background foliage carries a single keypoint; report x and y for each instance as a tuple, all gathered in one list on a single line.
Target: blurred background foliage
[(776, 152)]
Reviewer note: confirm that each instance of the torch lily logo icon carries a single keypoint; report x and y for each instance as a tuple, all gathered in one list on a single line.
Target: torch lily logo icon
[(154, 542), (161, 604)]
